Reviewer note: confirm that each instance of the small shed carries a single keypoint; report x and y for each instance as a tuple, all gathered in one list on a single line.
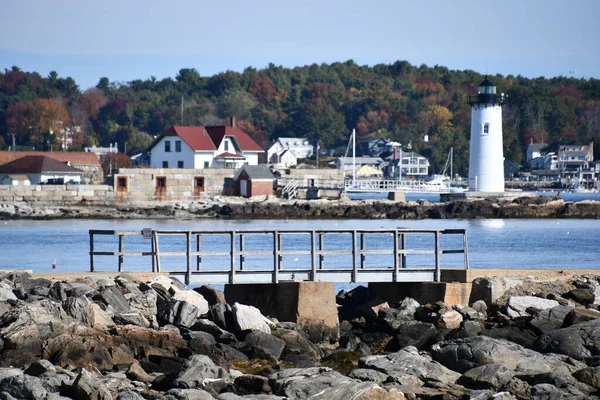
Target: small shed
[(253, 180), (16, 180)]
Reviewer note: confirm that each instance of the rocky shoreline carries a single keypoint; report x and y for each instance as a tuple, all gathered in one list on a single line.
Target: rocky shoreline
[(274, 208), (99, 338)]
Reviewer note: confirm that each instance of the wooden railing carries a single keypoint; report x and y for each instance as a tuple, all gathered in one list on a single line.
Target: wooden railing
[(358, 255)]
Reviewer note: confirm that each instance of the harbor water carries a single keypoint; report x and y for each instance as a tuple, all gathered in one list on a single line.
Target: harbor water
[(493, 243)]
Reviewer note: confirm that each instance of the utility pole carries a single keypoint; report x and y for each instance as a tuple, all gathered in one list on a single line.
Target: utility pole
[(14, 148), (181, 110)]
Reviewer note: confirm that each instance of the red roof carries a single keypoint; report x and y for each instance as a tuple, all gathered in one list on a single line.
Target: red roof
[(209, 138), (243, 140), (74, 157), (195, 136), (229, 155), (36, 165)]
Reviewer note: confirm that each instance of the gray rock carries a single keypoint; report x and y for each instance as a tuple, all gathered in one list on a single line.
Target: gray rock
[(58, 291), (259, 344), (198, 369), (523, 337), (129, 395), (135, 317), (488, 395), (408, 367), (325, 384), (251, 384), (6, 292), (23, 387), (187, 394), (87, 387), (8, 372), (579, 341), (489, 376), (546, 391), (589, 375), (365, 374), (87, 313), (392, 318), (178, 313), (412, 333), (550, 319), (471, 328), (39, 367), (480, 306), (517, 305), (111, 295), (232, 396), (298, 349), (213, 296), (249, 318), (78, 289), (581, 296), (579, 315), (193, 298), (208, 326), (464, 354), (220, 314)]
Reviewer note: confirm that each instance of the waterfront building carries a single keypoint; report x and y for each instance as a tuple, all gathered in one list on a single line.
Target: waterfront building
[(486, 159), (287, 150)]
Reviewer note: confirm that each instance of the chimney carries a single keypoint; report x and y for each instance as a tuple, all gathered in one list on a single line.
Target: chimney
[(232, 122)]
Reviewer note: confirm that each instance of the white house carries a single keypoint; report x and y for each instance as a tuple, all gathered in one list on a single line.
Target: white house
[(286, 151), (346, 163), (200, 147), (534, 150), (39, 169)]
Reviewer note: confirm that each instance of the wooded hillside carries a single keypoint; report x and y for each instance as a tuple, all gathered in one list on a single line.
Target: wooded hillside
[(398, 101)]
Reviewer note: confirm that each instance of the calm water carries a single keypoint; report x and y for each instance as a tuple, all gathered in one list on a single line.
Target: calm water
[(561, 244), (435, 197)]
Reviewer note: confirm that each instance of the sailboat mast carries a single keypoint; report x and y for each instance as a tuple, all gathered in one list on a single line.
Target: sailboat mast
[(353, 157), (451, 162)]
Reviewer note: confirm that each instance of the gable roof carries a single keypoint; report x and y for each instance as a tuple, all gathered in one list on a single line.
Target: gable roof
[(256, 172), (294, 142), (209, 138), (194, 136), (537, 146), (217, 133), (74, 157), (36, 165)]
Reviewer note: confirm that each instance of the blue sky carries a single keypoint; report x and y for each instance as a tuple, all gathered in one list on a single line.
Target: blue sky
[(137, 39)]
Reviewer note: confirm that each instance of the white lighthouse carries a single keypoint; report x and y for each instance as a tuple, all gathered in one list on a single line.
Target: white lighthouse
[(486, 160)]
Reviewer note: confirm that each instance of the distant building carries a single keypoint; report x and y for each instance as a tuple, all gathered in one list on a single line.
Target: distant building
[(286, 151), (102, 150), (534, 150), (39, 170), (89, 163), (253, 180), (573, 157), (413, 165), (201, 147), (346, 163)]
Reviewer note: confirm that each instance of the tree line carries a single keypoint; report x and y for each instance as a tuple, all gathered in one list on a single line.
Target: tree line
[(322, 102)]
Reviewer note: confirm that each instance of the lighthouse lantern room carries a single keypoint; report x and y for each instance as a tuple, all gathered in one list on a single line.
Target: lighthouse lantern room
[(486, 160)]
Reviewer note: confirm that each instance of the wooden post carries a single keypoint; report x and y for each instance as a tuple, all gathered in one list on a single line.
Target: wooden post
[(313, 256), (91, 251), (362, 247), (198, 249), (188, 256), (354, 257), (153, 251), (437, 274), (403, 247), (242, 258), (466, 249), (155, 237), (276, 259), (232, 272), (121, 245), (321, 246), (397, 257)]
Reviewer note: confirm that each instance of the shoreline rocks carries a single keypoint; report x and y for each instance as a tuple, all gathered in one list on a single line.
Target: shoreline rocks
[(270, 207), (100, 338)]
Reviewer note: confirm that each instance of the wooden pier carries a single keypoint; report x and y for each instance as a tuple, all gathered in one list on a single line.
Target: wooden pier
[(373, 255)]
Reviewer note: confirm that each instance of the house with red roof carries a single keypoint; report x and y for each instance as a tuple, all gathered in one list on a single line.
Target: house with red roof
[(39, 170), (201, 147)]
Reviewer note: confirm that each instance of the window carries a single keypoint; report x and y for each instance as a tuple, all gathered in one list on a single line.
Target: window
[(206, 165), (227, 145), (165, 164), (161, 182), (311, 183), (179, 164), (199, 182), (178, 146), (486, 129), (167, 146), (122, 182)]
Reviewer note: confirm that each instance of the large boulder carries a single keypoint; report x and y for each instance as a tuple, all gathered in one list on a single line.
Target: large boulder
[(298, 350), (178, 313), (112, 296), (258, 344), (198, 371), (412, 333), (409, 367), (326, 384), (87, 387), (580, 341), (488, 376), (249, 318), (517, 305), (84, 311), (550, 319), (464, 354), (193, 298)]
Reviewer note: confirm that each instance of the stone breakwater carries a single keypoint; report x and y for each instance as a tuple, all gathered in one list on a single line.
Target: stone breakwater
[(275, 208), (102, 338)]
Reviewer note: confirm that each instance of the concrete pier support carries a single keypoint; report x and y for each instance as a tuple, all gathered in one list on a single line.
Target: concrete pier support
[(397, 196), (309, 304), (451, 293)]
